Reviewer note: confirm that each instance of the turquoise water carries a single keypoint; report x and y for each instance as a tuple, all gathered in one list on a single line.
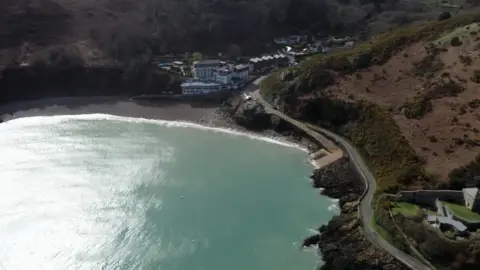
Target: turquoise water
[(102, 192)]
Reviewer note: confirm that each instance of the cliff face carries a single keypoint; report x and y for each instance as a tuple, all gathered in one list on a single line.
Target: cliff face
[(341, 241)]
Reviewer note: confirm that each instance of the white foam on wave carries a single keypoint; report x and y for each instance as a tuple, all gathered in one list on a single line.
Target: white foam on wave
[(36, 120), (334, 207)]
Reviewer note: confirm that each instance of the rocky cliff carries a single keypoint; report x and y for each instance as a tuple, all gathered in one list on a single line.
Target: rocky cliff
[(341, 241)]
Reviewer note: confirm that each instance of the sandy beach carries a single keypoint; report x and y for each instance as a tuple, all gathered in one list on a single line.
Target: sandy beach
[(200, 113), (164, 110)]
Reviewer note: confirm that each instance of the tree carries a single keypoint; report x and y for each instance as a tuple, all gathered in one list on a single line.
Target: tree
[(444, 16), (196, 56), (58, 56), (234, 51)]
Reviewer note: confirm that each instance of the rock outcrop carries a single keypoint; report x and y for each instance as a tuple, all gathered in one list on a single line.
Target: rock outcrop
[(251, 115), (342, 242)]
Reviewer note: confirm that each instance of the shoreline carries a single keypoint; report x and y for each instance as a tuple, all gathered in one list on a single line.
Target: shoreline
[(167, 113), (195, 115)]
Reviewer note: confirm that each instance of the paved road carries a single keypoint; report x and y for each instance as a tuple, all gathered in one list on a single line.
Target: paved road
[(365, 209), (325, 142)]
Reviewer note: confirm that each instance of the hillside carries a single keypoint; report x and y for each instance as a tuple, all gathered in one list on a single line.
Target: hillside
[(409, 99), (102, 31)]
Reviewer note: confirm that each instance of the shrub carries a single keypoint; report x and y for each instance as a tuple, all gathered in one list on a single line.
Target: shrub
[(444, 16), (455, 42), (474, 103), (465, 59), (393, 162), (432, 138), (417, 108), (476, 76)]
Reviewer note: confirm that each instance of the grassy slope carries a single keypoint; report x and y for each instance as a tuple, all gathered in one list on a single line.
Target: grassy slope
[(392, 160), (406, 209), (462, 212)]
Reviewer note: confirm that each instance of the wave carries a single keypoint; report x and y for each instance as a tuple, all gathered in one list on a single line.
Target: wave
[(36, 120), (334, 207)]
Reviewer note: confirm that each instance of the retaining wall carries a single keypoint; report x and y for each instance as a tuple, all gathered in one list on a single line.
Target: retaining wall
[(428, 197)]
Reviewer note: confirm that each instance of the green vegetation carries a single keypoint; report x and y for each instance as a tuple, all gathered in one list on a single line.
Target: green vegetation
[(462, 212), (406, 209), (444, 16), (393, 162), (384, 225), (455, 42), (456, 36), (196, 56), (418, 107), (465, 176), (380, 230)]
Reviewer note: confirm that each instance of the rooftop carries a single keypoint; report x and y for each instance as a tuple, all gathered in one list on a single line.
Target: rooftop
[(472, 192), (446, 220), (241, 66), (456, 224), (199, 83), (208, 62)]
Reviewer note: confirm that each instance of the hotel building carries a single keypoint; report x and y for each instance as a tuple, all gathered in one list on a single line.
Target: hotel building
[(205, 69)]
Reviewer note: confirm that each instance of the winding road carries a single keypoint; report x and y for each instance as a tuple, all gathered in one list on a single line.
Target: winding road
[(365, 209)]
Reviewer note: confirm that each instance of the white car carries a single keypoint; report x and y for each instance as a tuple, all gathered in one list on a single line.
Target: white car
[(247, 97)]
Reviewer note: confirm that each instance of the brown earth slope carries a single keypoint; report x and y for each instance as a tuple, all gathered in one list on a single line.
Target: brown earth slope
[(434, 96)]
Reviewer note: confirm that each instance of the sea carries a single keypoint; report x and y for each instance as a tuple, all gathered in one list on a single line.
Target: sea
[(107, 192)]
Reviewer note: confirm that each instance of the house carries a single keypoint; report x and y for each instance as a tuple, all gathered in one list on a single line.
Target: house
[(205, 69), (196, 87), (232, 74), (471, 197), (280, 59), (241, 72), (447, 223), (259, 62)]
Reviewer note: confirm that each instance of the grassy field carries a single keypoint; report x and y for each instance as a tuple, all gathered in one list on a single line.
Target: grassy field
[(406, 209), (462, 212)]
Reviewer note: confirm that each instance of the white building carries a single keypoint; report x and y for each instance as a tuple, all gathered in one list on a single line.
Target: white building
[(232, 74), (223, 75), (200, 87), (241, 72), (205, 69)]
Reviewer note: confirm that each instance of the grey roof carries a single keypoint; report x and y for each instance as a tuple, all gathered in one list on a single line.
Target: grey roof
[(455, 223), (241, 66), (224, 69), (208, 62), (199, 83), (472, 192), (431, 218)]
